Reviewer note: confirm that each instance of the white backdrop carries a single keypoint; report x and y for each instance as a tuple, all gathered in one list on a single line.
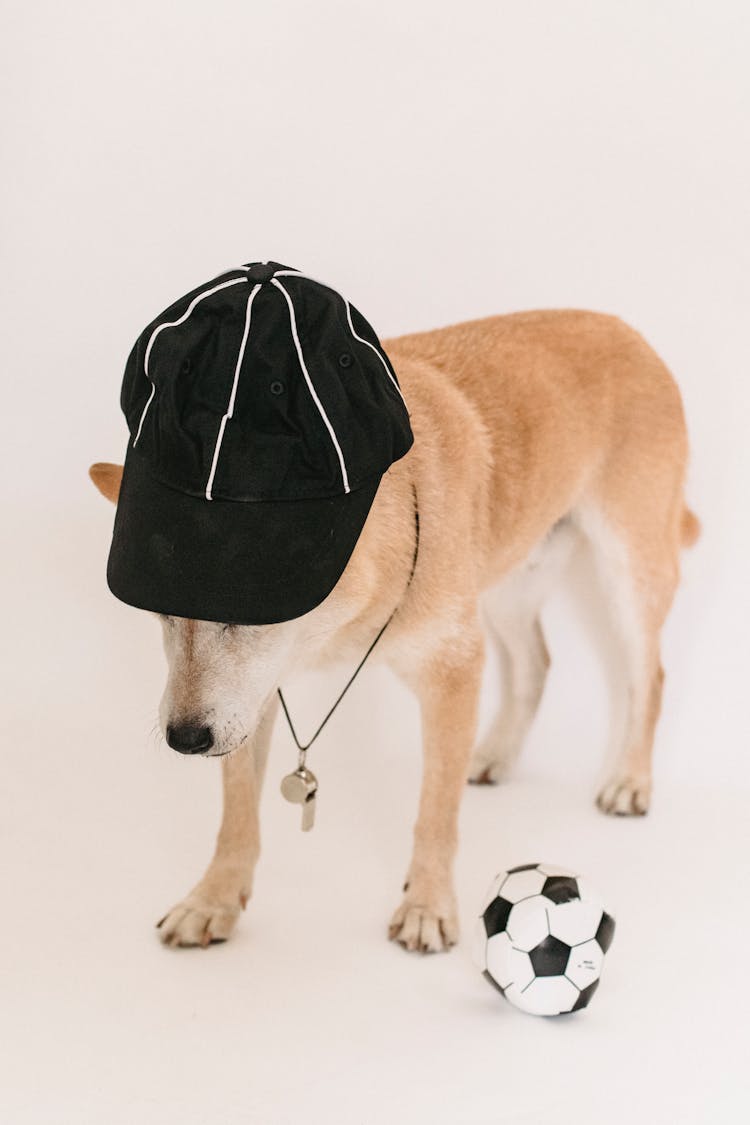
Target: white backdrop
[(436, 162)]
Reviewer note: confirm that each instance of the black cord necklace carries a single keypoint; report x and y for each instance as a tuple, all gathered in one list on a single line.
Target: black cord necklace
[(303, 749)]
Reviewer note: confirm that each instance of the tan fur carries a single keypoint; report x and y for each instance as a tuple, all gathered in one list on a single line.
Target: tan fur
[(529, 429), (107, 478), (691, 528)]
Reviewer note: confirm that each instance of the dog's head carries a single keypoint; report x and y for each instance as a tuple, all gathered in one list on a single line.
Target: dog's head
[(221, 677)]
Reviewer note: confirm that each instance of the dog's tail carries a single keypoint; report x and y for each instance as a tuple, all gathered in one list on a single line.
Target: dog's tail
[(690, 528)]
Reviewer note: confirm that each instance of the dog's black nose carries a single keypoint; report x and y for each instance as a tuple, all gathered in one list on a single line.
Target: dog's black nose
[(189, 738)]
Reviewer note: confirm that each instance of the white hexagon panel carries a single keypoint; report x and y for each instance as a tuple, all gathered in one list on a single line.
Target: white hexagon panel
[(498, 963), (585, 963), (545, 996), (575, 921), (520, 969), (522, 884), (527, 922)]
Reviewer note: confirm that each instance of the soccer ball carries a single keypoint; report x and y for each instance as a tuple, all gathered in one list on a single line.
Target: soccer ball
[(541, 939)]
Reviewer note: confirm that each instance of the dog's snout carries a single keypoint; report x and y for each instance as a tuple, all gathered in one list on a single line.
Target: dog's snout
[(190, 738)]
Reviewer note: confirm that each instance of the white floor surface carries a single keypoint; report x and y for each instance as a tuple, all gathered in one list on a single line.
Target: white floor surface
[(308, 1014)]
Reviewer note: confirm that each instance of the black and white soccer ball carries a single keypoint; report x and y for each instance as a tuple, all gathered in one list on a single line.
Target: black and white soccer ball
[(541, 938)]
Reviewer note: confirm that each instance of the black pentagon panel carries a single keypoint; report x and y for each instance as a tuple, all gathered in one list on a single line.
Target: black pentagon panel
[(522, 867), (561, 888), (584, 996), (550, 957), (496, 916), (488, 976), (606, 931)]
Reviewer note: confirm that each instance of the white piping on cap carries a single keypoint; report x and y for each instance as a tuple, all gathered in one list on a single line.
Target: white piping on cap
[(296, 273), (173, 324), (305, 372), (233, 395)]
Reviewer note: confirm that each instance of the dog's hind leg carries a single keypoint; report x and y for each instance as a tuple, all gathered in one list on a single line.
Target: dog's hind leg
[(210, 911), (524, 660), (638, 568), (511, 612)]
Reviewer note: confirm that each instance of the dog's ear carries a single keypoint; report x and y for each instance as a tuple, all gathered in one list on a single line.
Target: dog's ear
[(107, 479)]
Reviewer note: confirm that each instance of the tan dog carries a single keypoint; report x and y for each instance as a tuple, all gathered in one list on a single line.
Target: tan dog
[(531, 430)]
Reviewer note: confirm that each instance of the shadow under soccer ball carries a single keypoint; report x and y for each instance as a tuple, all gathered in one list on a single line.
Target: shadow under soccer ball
[(541, 939)]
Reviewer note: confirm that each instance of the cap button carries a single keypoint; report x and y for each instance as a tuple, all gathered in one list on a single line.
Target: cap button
[(259, 272)]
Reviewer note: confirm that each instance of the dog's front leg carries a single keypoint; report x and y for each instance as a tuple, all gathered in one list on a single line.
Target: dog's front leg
[(448, 691), (212, 908)]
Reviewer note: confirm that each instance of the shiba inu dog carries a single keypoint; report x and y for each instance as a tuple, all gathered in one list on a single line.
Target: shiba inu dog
[(532, 431)]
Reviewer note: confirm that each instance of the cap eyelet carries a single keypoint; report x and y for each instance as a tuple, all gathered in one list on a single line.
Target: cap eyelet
[(277, 387), (185, 366), (346, 359)]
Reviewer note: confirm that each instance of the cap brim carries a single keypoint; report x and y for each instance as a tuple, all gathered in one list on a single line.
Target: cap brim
[(238, 562)]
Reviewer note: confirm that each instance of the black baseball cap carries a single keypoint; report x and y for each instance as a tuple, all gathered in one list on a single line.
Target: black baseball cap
[(263, 412)]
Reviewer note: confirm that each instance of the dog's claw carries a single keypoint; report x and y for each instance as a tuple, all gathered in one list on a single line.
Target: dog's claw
[(198, 923), (484, 778), (417, 928), (625, 797)]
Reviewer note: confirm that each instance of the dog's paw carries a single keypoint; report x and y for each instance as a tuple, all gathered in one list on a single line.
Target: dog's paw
[(422, 929), (497, 752), (490, 762), (625, 796), (195, 921)]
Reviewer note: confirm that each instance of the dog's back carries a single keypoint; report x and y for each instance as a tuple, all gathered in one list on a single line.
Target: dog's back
[(577, 406)]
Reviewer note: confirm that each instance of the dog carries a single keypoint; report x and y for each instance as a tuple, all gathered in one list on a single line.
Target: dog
[(532, 431)]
